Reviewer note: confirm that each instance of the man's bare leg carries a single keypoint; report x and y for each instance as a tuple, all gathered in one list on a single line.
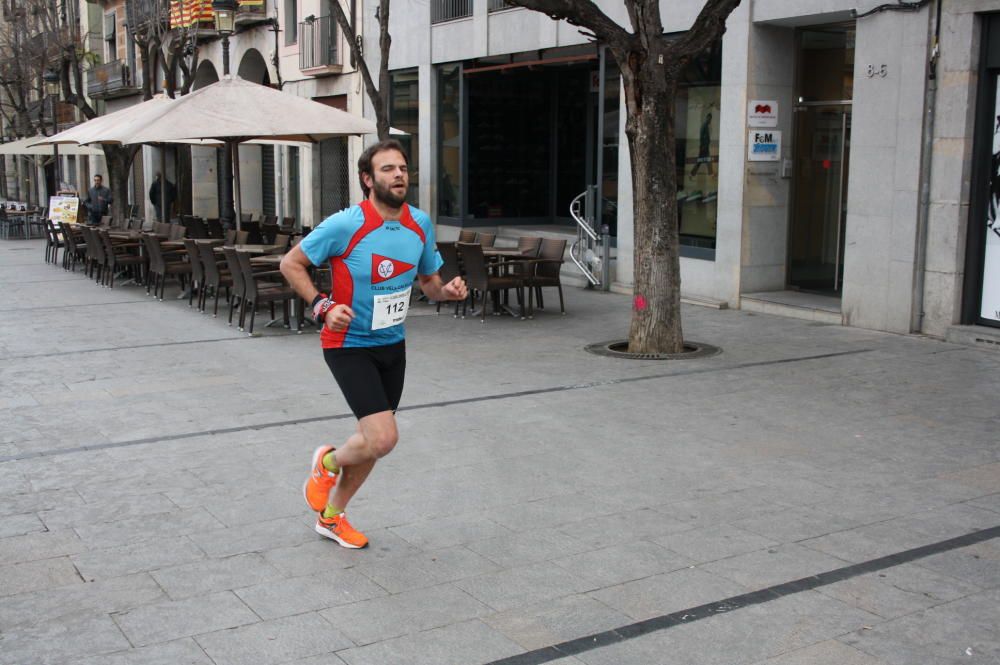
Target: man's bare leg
[(375, 437)]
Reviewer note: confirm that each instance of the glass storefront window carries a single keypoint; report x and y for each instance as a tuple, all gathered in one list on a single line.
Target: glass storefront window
[(404, 117), (697, 127), (449, 140)]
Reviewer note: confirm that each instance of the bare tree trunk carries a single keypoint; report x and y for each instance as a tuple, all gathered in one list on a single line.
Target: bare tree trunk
[(656, 317), (119, 160), (379, 96)]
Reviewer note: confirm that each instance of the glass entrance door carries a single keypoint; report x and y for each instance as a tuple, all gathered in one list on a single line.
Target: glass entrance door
[(819, 212)]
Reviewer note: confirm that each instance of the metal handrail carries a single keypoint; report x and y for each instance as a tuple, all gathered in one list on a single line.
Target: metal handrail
[(574, 212), (584, 226)]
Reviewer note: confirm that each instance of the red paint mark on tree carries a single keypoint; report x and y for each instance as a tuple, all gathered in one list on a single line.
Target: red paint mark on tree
[(640, 302)]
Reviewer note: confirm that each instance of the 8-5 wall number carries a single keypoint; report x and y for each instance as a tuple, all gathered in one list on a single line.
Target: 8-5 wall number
[(878, 71)]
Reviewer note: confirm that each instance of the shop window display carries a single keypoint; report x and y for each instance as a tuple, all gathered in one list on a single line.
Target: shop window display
[(697, 128)]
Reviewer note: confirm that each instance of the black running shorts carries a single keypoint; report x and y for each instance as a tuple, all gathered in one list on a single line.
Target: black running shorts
[(371, 377)]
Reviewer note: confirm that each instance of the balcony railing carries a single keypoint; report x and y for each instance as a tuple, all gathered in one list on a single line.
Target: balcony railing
[(112, 79), (447, 10), (318, 44), (498, 5), (250, 11)]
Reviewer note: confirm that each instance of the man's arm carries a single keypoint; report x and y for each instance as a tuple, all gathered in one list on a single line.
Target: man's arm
[(295, 268), (435, 289)]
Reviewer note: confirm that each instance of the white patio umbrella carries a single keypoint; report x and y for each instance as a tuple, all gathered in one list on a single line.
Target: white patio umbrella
[(235, 110), (28, 147), (232, 110), (117, 128)]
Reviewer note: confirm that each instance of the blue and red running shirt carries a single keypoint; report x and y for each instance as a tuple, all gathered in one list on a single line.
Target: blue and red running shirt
[(373, 263)]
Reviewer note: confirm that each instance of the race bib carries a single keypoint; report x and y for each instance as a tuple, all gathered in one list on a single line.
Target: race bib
[(390, 309)]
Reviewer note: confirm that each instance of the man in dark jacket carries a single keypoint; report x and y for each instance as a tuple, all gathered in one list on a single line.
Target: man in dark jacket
[(169, 193), (98, 201)]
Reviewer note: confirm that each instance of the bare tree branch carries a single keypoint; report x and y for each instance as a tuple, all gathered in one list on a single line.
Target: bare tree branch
[(707, 28), (378, 96)]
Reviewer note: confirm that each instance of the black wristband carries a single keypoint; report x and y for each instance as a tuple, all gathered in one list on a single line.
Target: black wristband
[(319, 296)]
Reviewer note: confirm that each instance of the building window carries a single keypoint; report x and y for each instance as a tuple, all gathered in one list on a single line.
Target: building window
[(697, 127), (291, 22), (404, 116), (447, 10), (450, 141), (110, 37)]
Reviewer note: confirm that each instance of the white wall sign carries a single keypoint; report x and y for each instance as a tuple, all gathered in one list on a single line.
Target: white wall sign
[(764, 145), (762, 113)]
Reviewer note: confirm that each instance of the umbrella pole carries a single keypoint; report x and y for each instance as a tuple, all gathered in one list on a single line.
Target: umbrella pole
[(236, 185), (163, 185)]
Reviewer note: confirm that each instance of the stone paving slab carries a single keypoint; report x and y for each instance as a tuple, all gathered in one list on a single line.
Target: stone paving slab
[(151, 463)]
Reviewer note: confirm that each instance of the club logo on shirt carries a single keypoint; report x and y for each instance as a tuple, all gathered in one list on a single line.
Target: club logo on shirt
[(384, 268)]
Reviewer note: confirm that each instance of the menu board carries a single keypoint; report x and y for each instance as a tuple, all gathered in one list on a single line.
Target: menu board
[(64, 209)]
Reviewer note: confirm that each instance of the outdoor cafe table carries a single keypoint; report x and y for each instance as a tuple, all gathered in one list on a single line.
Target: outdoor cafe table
[(252, 249), (270, 260)]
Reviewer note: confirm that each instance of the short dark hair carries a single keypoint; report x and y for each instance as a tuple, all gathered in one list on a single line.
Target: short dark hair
[(365, 161), (98, 175)]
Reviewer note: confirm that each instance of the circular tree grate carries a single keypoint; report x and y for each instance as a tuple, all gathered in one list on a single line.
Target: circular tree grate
[(618, 348)]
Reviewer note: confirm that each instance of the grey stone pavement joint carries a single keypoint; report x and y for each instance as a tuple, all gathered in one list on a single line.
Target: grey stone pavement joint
[(431, 405), (540, 497)]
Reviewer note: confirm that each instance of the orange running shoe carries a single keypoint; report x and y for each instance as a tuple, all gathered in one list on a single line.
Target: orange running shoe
[(339, 529), (320, 481)]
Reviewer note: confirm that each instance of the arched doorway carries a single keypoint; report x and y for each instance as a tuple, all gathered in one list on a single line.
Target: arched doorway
[(206, 74), (253, 68)]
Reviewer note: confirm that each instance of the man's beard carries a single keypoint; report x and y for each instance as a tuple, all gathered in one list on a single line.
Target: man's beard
[(385, 194)]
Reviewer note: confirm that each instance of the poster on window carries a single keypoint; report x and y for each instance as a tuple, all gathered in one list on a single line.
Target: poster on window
[(990, 304)]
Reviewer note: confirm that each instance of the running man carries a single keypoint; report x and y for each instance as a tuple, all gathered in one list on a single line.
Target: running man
[(374, 250)]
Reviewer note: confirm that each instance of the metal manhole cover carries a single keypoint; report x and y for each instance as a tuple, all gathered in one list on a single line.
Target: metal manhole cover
[(618, 348)]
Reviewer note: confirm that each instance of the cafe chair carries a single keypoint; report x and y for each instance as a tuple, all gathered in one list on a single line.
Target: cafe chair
[(283, 241), (196, 228), (239, 284), (96, 260), (529, 246), (257, 291), (76, 249), (53, 242), (119, 256), (467, 235), (254, 236), (486, 240), (215, 274), (197, 272), (161, 267), (479, 277), (450, 269), (215, 230), (545, 272)]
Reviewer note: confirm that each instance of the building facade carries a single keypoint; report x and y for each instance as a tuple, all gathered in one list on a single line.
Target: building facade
[(829, 153), (291, 45)]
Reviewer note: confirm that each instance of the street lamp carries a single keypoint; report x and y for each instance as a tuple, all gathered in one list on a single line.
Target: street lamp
[(51, 78), (225, 24)]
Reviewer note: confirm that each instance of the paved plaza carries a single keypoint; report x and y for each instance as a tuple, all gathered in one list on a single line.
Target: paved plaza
[(813, 495)]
